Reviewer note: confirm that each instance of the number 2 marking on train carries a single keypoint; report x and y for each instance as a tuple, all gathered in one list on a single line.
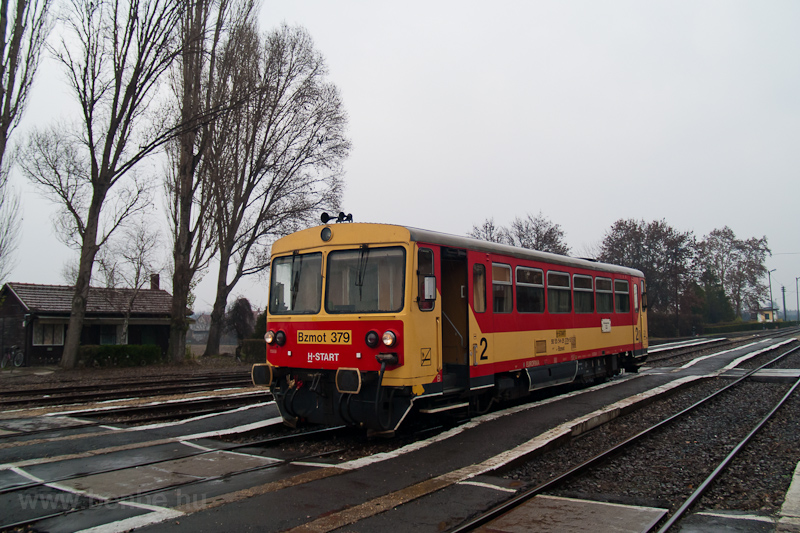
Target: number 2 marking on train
[(485, 345)]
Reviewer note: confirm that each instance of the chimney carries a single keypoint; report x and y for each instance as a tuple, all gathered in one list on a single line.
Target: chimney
[(154, 282)]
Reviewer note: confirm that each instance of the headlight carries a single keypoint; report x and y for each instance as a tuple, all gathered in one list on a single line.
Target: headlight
[(280, 338), (372, 339), (269, 337), (389, 339)]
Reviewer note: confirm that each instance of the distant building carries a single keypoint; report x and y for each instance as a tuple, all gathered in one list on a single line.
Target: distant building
[(766, 315), (35, 318)]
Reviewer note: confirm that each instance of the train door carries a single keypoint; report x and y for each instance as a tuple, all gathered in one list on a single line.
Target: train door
[(642, 314), (455, 334)]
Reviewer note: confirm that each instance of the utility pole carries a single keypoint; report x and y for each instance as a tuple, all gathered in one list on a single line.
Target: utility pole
[(783, 289)]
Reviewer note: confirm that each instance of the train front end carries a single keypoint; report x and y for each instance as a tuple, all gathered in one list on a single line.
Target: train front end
[(337, 326)]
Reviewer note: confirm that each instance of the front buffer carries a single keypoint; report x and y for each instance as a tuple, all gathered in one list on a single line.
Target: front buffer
[(335, 376)]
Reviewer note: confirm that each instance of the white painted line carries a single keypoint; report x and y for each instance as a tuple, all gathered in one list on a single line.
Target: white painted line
[(695, 361), (737, 362), (162, 515), (165, 402), (487, 486), (197, 446), (595, 502), (317, 465), (684, 344), (754, 518), (201, 417), (229, 431), (791, 505), (383, 456)]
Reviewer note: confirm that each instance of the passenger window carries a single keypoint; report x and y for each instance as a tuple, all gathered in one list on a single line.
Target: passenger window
[(622, 301), (426, 279), (530, 290), (479, 288), (635, 298), (558, 293), (501, 288), (584, 295), (605, 296)]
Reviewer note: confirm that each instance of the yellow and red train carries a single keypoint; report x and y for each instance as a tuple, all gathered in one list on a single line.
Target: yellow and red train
[(368, 321)]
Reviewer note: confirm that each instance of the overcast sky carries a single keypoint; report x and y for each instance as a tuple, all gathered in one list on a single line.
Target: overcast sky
[(589, 112)]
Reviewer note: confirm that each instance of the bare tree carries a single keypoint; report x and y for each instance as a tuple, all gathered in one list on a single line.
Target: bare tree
[(23, 31), (22, 44), (488, 232), (9, 225), (275, 161), (203, 27), (114, 53), (738, 265), (664, 254), (537, 233), (534, 233), (127, 263)]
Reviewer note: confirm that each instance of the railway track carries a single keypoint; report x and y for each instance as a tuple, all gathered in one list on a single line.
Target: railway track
[(575, 480), (38, 397), (145, 414), (88, 502), (668, 355)]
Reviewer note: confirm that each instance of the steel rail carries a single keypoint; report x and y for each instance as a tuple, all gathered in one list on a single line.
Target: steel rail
[(691, 500), (519, 499), (131, 497), (273, 440)]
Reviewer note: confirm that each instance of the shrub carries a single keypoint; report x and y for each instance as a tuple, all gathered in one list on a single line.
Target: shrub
[(254, 351), (120, 355)]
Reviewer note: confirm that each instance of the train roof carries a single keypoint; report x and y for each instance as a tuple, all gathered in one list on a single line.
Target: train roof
[(396, 233)]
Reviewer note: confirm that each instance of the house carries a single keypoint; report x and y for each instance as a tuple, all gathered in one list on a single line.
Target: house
[(35, 317), (766, 314)]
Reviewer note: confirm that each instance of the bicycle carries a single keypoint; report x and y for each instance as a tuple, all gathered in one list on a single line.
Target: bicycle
[(13, 355)]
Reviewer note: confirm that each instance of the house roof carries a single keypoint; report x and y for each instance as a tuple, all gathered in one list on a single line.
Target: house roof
[(58, 299)]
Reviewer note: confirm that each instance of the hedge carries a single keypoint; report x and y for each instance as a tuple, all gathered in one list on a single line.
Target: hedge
[(253, 351), (120, 355), (747, 326)]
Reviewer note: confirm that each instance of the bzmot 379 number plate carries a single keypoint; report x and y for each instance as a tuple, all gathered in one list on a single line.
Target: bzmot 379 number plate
[(324, 337)]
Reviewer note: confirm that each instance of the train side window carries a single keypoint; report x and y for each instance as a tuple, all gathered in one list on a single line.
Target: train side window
[(501, 288), (605, 296), (530, 290), (584, 295), (478, 288), (644, 296), (558, 293), (635, 298), (622, 301), (427, 280)]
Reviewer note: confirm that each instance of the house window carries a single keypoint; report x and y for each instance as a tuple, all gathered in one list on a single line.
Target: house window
[(530, 290), (584, 295), (48, 334), (501, 288), (605, 297), (558, 294), (108, 334)]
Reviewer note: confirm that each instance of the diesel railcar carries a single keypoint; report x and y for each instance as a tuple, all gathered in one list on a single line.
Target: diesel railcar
[(366, 322)]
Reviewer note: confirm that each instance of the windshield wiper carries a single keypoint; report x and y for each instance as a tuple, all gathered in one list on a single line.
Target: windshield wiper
[(361, 271)]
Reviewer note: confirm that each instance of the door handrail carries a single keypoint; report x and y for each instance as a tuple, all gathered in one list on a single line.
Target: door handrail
[(454, 329)]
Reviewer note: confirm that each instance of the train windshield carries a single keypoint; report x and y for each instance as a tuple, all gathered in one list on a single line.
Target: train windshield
[(367, 280), (296, 286)]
